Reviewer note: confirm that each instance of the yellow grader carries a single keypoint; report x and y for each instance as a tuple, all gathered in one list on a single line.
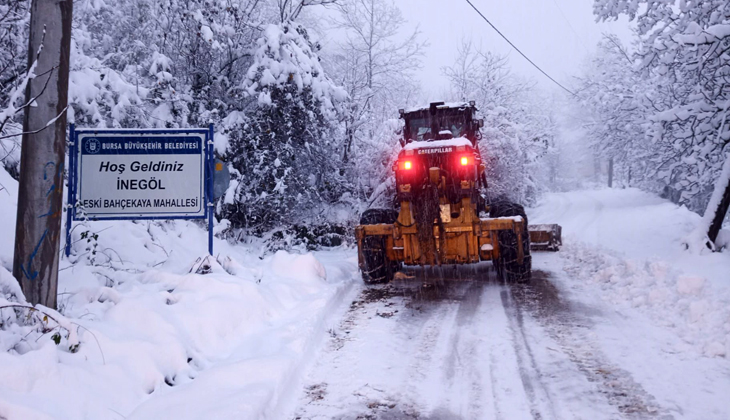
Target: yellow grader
[(439, 180)]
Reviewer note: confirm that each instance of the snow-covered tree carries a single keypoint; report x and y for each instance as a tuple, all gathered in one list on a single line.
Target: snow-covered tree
[(375, 63), (683, 52), (14, 17), (283, 151), (612, 102), (518, 127), (185, 58), (289, 10)]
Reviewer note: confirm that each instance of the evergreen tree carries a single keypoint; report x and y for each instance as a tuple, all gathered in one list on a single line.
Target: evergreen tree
[(285, 152)]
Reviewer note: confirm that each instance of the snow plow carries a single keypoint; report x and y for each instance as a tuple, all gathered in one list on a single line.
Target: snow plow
[(444, 218), (547, 237)]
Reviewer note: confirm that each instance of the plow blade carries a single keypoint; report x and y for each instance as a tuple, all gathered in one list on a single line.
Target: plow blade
[(545, 237)]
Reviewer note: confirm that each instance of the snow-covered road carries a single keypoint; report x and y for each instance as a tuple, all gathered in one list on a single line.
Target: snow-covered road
[(466, 346), (622, 323), (459, 344)]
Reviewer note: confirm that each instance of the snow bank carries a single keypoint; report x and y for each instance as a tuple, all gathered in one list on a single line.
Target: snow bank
[(687, 304), (628, 244), (635, 224), (723, 239), (158, 340)]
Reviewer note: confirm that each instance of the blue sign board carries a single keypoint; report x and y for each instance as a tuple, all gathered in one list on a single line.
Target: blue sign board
[(141, 174)]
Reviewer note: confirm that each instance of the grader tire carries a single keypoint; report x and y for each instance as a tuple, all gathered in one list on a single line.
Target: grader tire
[(508, 268), (376, 267)]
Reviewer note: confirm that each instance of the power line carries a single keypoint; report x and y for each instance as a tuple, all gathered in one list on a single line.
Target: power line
[(565, 18), (518, 50)]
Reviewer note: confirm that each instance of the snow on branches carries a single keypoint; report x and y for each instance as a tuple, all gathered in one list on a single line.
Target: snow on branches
[(13, 76), (685, 95), (285, 55), (518, 127), (286, 151), (681, 60)]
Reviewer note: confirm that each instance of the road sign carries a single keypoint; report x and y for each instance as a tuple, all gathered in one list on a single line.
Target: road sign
[(135, 176), (221, 179), (141, 174)]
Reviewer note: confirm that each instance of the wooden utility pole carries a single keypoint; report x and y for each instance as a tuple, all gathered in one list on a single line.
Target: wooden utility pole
[(40, 195)]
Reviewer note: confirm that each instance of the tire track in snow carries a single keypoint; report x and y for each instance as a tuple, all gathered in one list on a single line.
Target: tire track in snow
[(359, 376), (454, 382), (541, 406), (461, 362), (504, 388), (424, 368), (565, 325), (435, 331), (467, 350), (479, 374)]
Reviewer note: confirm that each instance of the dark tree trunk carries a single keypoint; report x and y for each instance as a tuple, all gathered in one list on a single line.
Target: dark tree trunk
[(349, 137), (722, 208), (610, 173), (40, 195)]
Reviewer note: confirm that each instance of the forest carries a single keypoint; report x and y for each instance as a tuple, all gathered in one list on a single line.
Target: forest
[(304, 96)]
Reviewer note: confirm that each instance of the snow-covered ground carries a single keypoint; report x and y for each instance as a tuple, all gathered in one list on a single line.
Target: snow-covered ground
[(619, 324), (665, 311), (159, 341), (626, 247), (622, 323)]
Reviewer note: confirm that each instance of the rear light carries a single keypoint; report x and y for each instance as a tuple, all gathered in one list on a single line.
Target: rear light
[(404, 165), (464, 160)]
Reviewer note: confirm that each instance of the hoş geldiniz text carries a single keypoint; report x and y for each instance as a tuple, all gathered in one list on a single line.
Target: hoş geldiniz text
[(137, 166)]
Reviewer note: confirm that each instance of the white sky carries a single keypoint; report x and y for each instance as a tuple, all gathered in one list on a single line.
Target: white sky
[(558, 35)]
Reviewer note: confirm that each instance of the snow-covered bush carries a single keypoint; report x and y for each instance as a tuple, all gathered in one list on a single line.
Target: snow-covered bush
[(23, 325)]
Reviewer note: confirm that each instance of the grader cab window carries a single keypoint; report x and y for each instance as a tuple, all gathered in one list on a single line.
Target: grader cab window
[(428, 129)]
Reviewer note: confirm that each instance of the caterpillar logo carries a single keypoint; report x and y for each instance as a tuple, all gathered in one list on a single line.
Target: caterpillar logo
[(439, 150)]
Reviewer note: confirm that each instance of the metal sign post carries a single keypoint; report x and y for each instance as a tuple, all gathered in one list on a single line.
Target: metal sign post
[(140, 175), (209, 190)]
